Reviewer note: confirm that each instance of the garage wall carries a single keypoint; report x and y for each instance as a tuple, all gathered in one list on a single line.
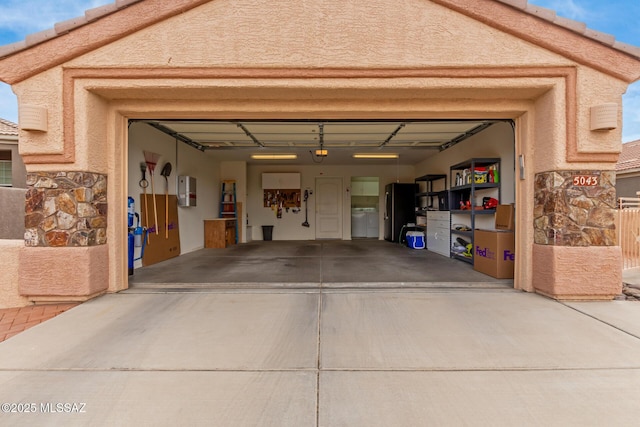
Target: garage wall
[(496, 141), (289, 226), (190, 162)]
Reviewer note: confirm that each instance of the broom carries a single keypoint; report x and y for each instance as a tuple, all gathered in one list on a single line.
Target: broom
[(151, 159)]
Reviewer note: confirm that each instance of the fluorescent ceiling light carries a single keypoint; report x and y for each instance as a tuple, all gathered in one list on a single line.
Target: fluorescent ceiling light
[(375, 156), (322, 153), (274, 156)]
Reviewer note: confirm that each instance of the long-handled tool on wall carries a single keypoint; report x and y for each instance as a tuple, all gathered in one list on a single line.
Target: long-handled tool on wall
[(152, 160), (306, 220), (144, 184), (166, 171)]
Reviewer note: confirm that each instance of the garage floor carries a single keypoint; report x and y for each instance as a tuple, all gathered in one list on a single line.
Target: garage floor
[(364, 263)]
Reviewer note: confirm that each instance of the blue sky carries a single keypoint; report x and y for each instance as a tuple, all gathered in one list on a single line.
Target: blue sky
[(618, 17)]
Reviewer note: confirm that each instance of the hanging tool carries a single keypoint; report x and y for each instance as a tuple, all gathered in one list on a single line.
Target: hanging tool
[(152, 160), (166, 171), (144, 184), (306, 197)]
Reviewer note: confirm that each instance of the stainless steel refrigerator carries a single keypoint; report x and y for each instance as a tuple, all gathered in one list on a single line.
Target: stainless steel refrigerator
[(399, 202)]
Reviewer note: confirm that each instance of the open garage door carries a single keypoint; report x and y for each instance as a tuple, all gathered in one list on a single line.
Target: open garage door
[(206, 153)]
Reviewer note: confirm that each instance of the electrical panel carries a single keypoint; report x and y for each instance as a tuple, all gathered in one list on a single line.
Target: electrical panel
[(186, 191)]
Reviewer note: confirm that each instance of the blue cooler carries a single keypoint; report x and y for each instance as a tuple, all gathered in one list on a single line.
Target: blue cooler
[(415, 239)]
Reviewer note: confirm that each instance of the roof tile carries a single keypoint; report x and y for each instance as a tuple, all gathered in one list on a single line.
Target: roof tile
[(604, 38), (520, 4), (70, 24), (629, 156), (8, 49), (99, 12), (570, 24), (124, 3), (541, 12), (39, 37), (8, 128), (628, 48)]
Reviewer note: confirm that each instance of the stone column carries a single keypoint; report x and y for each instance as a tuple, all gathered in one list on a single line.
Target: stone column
[(65, 255), (575, 255)]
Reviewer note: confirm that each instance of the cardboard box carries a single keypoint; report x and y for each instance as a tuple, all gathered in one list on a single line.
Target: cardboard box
[(505, 217), (493, 252)]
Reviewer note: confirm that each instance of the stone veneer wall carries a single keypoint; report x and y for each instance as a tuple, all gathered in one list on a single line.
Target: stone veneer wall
[(66, 209), (568, 215)]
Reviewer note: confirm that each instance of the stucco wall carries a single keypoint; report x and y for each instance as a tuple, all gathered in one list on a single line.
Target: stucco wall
[(9, 293), (263, 33)]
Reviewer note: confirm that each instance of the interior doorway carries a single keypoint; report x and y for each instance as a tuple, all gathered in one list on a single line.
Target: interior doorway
[(365, 207), (329, 208)]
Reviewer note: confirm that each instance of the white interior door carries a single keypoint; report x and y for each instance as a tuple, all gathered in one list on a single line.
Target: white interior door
[(328, 208)]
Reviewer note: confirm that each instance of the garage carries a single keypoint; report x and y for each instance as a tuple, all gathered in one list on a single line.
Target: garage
[(97, 92), (327, 176)]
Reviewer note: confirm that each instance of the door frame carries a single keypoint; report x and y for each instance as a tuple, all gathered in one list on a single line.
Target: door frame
[(339, 215)]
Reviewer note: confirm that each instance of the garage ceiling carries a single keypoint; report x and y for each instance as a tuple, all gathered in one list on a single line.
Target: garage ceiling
[(412, 140)]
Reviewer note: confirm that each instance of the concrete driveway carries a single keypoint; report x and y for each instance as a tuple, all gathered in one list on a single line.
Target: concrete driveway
[(326, 357)]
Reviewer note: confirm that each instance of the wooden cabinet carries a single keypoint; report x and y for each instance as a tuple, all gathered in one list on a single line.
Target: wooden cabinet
[(365, 188), (219, 233)]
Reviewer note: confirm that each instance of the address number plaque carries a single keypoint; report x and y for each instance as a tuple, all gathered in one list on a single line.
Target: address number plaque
[(587, 180)]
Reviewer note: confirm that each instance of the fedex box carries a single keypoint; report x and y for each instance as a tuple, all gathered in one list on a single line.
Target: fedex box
[(493, 253), (493, 250)]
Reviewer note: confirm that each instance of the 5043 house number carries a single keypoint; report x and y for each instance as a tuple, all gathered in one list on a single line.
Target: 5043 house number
[(586, 180)]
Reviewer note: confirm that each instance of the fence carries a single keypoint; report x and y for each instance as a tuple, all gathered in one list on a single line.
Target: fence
[(629, 231)]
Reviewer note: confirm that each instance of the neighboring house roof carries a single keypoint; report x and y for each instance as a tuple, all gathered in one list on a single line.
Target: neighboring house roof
[(629, 157), (564, 36), (8, 128)]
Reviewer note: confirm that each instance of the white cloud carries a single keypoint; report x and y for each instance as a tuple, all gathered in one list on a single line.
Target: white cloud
[(28, 16), (8, 103), (631, 113), (567, 8)]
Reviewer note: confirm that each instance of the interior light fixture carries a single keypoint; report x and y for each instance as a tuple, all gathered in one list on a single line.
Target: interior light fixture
[(375, 156), (274, 156), (322, 152)]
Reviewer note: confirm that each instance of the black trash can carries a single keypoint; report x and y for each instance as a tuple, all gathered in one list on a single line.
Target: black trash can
[(267, 232)]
